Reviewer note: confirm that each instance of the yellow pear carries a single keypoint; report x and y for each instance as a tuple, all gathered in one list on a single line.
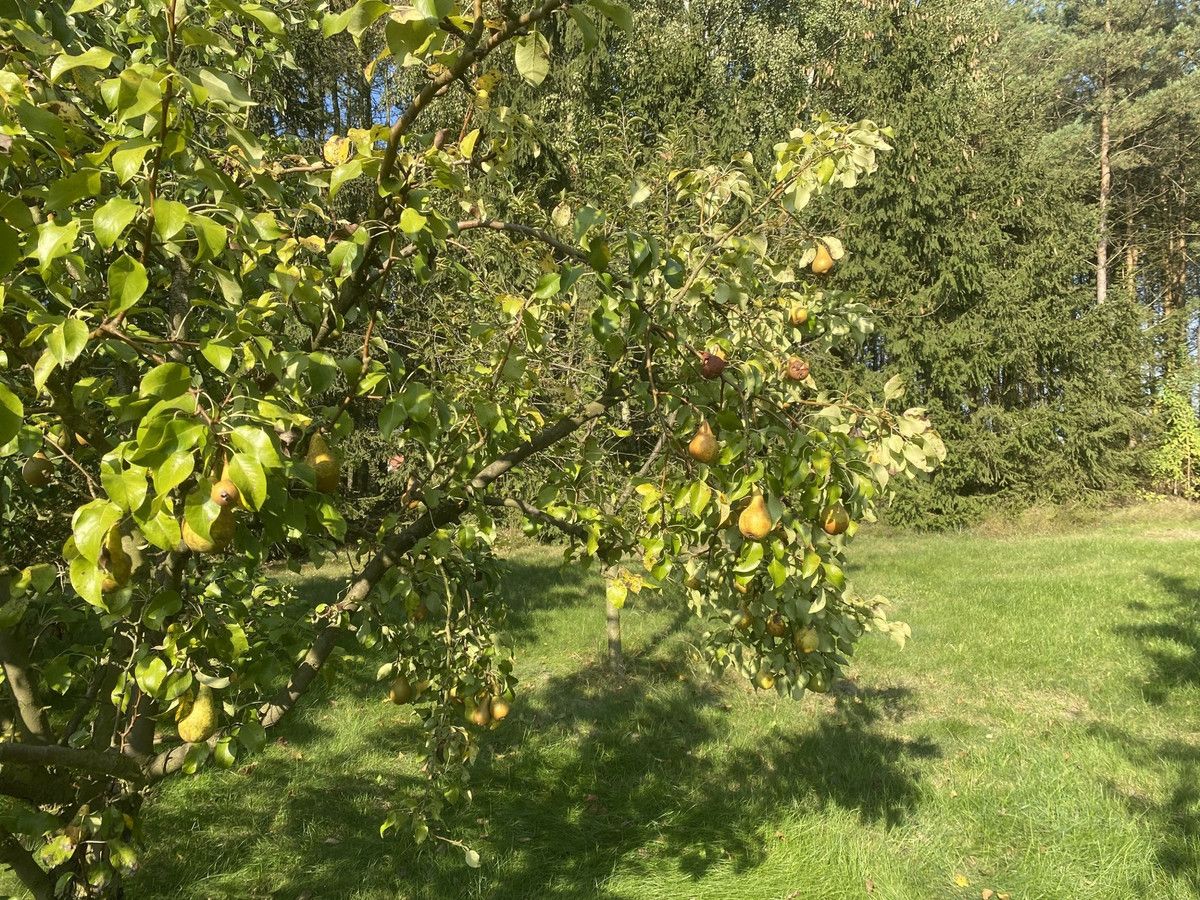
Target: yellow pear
[(798, 314), (704, 447), (765, 680), (225, 493), (200, 722), (481, 713), (818, 682), (822, 262), (400, 691), (776, 626), (37, 470), (500, 709), (755, 521), (324, 464), (220, 533), (118, 565)]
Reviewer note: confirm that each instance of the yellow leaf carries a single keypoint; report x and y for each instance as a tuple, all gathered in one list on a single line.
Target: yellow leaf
[(336, 150), (961, 880)]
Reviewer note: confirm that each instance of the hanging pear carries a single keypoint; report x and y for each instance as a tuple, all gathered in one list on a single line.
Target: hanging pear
[(200, 722), (835, 520), (704, 447), (118, 565), (822, 262), (796, 369), (225, 493), (37, 470), (400, 691), (220, 533), (798, 314), (807, 641), (324, 464), (755, 521)]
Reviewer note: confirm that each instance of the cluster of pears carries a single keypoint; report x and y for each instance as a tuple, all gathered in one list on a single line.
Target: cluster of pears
[(487, 710), (198, 721)]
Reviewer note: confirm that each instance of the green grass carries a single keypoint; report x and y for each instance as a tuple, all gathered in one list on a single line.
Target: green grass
[(1040, 736)]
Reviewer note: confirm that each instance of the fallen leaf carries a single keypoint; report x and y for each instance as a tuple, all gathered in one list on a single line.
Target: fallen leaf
[(986, 894), (961, 880), (870, 886)]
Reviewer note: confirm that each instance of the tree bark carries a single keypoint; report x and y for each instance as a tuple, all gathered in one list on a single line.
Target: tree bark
[(1105, 194), (612, 616), (21, 861)]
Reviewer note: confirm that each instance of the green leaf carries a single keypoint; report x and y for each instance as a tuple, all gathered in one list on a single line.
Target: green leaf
[(127, 161), (169, 218), (250, 479), (95, 58), (225, 89), (166, 381), (67, 340), (149, 674), (90, 524), (161, 529), (125, 486), (411, 221), (109, 220), (533, 57), (127, 282), (257, 444), (356, 19), (751, 556), (10, 247), (82, 6), (252, 736), (347, 171), (12, 412), (212, 236), (219, 355), (617, 13), (173, 472), (54, 241), (161, 607)]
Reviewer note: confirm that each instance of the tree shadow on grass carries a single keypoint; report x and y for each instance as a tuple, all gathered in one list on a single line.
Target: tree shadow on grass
[(1171, 645), (591, 772)]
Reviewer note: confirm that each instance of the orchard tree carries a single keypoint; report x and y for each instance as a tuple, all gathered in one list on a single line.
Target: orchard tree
[(178, 293)]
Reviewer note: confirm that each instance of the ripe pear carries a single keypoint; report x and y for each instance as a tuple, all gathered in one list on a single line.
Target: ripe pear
[(743, 620), (500, 709), (324, 463), (225, 493), (400, 691), (118, 564), (796, 369), (704, 447), (481, 713), (822, 262), (776, 626), (220, 533), (835, 519), (755, 521), (37, 470), (201, 721), (807, 641), (711, 365), (798, 314), (765, 680)]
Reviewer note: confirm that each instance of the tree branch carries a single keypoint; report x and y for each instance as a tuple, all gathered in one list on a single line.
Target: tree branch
[(474, 54), (538, 515), (21, 861), (95, 762), (400, 543), (16, 673)]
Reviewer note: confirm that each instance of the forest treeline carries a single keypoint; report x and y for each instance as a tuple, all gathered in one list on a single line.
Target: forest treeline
[(1029, 252)]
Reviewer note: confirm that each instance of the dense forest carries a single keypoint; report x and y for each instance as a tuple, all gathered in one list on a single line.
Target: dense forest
[(1030, 256)]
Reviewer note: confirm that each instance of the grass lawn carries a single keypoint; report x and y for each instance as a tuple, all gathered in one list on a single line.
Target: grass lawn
[(1039, 737)]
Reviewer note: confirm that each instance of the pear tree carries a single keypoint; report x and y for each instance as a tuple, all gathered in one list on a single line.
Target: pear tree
[(189, 328)]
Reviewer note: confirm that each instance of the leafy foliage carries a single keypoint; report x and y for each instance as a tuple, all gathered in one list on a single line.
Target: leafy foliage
[(199, 310)]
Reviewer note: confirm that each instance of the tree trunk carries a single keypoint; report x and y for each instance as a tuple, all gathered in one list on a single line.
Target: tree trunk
[(1105, 193), (613, 616), (1105, 171)]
